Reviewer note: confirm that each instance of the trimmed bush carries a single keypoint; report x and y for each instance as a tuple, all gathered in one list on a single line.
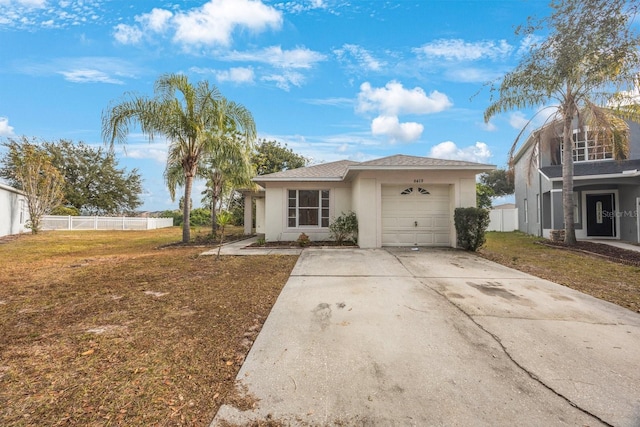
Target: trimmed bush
[(471, 224), (344, 228)]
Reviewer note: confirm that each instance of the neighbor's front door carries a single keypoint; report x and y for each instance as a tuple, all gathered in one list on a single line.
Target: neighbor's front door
[(601, 218)]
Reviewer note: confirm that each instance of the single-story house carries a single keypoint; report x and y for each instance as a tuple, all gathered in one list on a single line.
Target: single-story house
[(398, 200), (13, 211)]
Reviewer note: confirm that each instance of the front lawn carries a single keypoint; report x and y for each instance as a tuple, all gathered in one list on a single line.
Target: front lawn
[(610, 281), (117, 328)]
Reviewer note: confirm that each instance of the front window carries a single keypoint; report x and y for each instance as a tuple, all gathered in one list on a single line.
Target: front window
[(308, 208)]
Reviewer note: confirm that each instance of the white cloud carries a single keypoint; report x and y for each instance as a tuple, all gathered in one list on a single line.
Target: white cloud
[(473, 75), (489, 126), (234, 75), (137, 148), (5, 129), (393, 100), (391, 127), (364, 59), (157, 20), (460, 50), (285, 80), (274, 55), (85, 75), (27, 14), (518, 120), (94, 69), (214, 22), (449, 150), (126, 34), (299, 7)]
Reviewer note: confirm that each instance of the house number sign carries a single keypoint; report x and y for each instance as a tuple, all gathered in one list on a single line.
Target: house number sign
[(418, 181)]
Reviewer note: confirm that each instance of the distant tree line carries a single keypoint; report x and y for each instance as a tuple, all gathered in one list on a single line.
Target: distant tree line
[(69, 178)]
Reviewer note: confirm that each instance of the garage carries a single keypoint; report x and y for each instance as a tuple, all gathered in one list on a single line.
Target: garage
[(416, 214)]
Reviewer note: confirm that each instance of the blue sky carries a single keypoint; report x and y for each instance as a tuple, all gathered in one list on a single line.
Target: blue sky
[(332, 79)]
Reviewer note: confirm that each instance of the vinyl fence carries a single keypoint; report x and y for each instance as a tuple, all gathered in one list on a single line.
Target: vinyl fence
[(503, 220), (54, 222)]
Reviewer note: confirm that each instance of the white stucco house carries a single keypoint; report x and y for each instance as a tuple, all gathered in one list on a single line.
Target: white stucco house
[(399, 200), (13, 211)]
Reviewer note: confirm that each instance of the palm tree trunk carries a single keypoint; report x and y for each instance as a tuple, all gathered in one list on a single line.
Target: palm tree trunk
[(567, 174), (186, 209)]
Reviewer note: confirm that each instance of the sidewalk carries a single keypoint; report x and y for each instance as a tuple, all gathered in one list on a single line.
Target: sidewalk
[(616, 243), (241, 248)]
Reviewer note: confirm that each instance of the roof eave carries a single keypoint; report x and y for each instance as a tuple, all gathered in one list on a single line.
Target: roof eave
[(426, 168), (291, 179), (630, 174)]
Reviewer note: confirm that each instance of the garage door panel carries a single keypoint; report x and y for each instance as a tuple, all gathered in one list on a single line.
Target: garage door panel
[(400, 212)]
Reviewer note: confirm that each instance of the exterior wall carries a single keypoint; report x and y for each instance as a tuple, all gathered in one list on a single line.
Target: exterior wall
[(260, 218), (367, 187), (628, 212), (13, 211), (527, 182), (275, 226), (366, 205)]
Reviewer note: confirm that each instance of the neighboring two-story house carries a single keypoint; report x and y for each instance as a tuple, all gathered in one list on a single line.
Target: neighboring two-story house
[(606, 191)]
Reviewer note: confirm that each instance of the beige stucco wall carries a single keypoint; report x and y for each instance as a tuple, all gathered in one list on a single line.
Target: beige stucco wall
[(367, 187), (276, 228), (260, 218), (363, 196)]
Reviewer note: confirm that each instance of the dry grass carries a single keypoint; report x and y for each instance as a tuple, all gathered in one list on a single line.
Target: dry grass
[(105, 328), (607, 280)]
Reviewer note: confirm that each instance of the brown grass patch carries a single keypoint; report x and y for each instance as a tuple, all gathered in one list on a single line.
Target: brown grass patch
[(105, 328), (608, 280)]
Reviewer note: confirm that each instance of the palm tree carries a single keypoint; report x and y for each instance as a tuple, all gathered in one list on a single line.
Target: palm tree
[(589, 61), (225, 168), (190, 117)]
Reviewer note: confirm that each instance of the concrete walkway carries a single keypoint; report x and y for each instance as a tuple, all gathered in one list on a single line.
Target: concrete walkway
[(241, 248), (437, 337), (616, 243)]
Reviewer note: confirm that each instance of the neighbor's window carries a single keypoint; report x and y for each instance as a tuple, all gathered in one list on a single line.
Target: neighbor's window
[(588, 146), (308, 208)]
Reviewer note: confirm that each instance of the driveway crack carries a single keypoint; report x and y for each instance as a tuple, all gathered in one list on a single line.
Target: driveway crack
[(497, 339)]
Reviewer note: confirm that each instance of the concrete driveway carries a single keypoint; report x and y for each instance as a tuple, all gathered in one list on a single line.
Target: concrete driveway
[(438, 337)]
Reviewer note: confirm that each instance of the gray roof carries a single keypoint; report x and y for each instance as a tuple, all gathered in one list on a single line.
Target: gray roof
[(337, 171), (323, 171), (607, 167), (400, 160)]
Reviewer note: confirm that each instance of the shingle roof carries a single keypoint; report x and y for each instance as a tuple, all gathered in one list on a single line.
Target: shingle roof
[(400, 160), (323, 171), (337, 171)]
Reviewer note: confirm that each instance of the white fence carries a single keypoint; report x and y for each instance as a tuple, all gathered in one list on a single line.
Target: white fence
[(503, 219), (54, 222)]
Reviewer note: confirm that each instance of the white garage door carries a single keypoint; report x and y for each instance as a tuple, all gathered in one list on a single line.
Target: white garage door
[(416, 215)]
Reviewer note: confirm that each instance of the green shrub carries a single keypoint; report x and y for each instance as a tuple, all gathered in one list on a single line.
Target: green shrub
[(303, 240), (200, 216), (344, 228), (471, 224)]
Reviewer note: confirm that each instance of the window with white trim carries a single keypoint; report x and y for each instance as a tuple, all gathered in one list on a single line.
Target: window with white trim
[(308, 208), (589, 146)]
